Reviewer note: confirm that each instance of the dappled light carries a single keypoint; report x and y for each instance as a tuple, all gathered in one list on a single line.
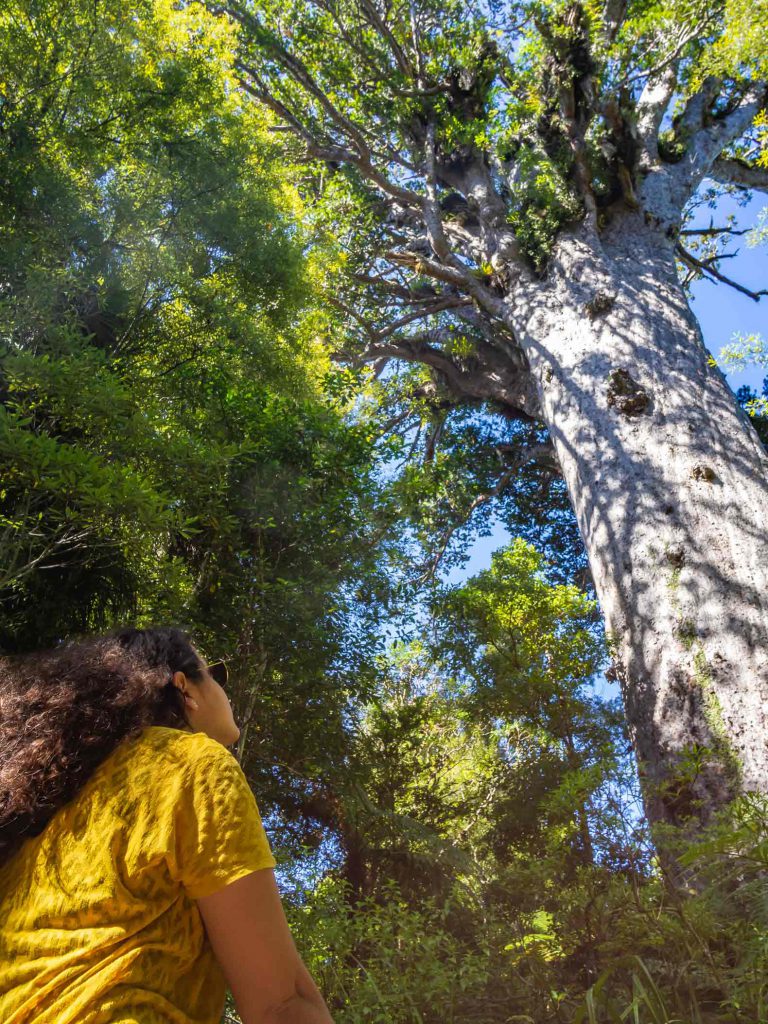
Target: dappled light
[(383, 552)]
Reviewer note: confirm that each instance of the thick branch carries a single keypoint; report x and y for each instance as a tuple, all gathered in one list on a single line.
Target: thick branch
[(653, 102), (667, 187), (707, 144), (488, 376), (378, 334), (296, 69), (386, 33), (319, 148), (439, 306), (498, 337), (724, 230), (614, 14), (498, 242), (432, 218), (698, 105), (732, 171), (454, 273)]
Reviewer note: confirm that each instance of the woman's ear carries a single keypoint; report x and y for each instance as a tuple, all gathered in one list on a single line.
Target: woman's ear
[(181, 681)]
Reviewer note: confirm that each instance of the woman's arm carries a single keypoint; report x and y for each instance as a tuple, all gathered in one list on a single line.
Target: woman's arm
[(305, 1007), (250, 936)]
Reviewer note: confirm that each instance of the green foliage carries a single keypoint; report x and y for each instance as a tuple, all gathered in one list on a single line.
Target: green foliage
[(174, 438), (499, 83), (703, 957), (489, 859), (522, 943), (540, 203), (525, 620), (467, 834), (173, 435), (742, 42), (743, 351), (386, 960)]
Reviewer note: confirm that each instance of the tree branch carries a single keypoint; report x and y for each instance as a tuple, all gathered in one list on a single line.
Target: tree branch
[(448, 302), (707, 144), (706, 268), (724, 230), (295, 67), (377, 335), (320, 149), (614, 14), (698, 105), (455, 273), (486, 376), (529, 455), (732, 171), (386, 33), (653, 102), (497, 240), (431, 209)]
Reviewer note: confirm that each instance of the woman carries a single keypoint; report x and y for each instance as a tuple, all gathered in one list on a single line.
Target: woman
[(136, 880)]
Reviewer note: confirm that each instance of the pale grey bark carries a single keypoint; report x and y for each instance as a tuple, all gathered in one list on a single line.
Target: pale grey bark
[(669, 483), (739, 173)]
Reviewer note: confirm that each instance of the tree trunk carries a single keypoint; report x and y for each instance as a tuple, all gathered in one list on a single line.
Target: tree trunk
[(669, 483)]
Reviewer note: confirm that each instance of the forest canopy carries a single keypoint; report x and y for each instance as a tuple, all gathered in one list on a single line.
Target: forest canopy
[(300, 301)]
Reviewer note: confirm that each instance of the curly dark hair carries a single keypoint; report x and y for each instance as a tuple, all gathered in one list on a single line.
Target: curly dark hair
[(64, 710)]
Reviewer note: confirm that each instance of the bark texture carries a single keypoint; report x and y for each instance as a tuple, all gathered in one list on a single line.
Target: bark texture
[(669, 483)]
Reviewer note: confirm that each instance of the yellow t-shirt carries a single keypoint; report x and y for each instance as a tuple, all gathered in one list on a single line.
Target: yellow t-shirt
[(98, 920)]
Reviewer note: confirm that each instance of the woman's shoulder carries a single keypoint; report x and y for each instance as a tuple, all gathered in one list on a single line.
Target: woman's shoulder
[(179, 746), (161, 758)]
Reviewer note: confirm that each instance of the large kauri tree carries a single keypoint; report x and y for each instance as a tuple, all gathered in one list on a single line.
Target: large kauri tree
[(511, 186)]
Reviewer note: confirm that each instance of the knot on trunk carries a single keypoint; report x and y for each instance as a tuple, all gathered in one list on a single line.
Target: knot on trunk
[(599, 304), (614, 673), (675, 557), (625, 394), (702, 472)]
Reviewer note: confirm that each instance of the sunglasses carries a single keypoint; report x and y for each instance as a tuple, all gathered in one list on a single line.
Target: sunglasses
[(218, 671)]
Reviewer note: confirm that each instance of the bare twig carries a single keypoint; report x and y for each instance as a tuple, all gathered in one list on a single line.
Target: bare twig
[(530, 455), (705, 267)]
